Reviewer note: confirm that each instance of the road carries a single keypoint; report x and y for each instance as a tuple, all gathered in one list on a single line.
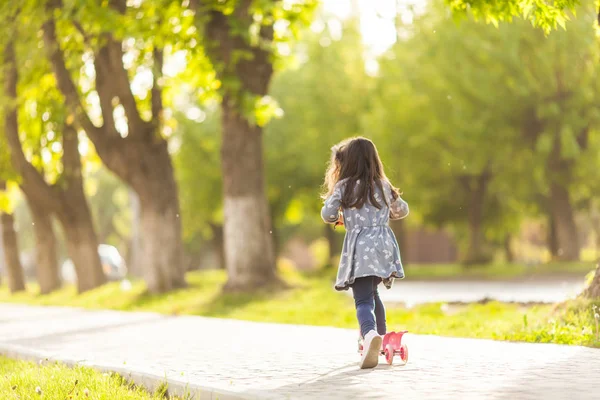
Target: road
[(526, 291)]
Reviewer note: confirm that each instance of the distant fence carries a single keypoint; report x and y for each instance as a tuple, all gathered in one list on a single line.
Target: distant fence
[(424, 246)]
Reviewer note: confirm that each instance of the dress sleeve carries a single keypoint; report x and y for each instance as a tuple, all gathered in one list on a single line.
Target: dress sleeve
[(398, 207), (331, 209)]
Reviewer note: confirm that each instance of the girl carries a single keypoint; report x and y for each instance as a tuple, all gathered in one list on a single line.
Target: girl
[(360, 197)]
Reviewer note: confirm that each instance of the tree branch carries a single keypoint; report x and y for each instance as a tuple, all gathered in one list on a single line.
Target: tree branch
[(33, 182), (105, 90), (583, 138), (119, 5), (65, 81), (156, 93), (71, 157), (194, 5), (254, 73), (82, 32), (122, 85)]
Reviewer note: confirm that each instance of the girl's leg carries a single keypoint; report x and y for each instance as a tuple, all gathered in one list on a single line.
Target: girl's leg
[(379, 309), (362, 289)]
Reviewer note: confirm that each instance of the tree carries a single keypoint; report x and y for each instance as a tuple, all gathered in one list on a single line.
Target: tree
[(46, 258), (546, 15), (437, 109), (136, 152), (558, 90), (65, 198), (197, 160), (10, 248), (239, 39), (322, 92), (468, 111), (323, 95)]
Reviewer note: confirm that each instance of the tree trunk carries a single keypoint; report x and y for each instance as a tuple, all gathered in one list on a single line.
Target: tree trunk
[(552, 238), (141, 159), (477, 189), (162, 256), (508, 251), (82, 246), (399, 229), (82, 242), (249, 252), (559, 173), (275, 236), (564, 220), (219, 244), (66, 200), (248, 245), (332, 244), (160, 223), (593, 291), (46, 268), (14, 269), (475, 249), (135, 249)]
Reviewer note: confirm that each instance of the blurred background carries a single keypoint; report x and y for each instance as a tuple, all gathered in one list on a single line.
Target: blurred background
[(491, 131)]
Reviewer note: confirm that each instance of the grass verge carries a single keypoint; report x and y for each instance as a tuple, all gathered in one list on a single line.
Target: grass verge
[(27, 380), (313, 301)]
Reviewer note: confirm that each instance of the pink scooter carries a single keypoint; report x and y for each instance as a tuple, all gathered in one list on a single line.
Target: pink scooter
[(392, 345)]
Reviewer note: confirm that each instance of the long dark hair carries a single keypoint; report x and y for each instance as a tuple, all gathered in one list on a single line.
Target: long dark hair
[(357, 161)]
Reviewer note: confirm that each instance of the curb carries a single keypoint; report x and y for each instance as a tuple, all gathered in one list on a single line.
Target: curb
[(150, 382)]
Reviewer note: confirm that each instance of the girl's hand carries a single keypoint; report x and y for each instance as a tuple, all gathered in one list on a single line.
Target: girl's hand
[(340, 221)]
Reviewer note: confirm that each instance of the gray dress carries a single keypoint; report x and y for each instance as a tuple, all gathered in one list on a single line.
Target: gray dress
[(370, 247)]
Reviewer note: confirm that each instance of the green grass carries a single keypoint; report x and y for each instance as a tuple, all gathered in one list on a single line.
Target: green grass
[(27, 380), (313, 301)]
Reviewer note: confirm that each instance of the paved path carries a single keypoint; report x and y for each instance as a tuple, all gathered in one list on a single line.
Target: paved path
[(524, 291), (226, 359)]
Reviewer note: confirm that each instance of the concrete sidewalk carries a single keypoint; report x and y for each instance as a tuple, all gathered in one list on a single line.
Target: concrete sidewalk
[(226, 359)]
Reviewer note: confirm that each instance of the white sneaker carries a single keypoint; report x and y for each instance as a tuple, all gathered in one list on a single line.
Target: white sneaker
[(371, 349)]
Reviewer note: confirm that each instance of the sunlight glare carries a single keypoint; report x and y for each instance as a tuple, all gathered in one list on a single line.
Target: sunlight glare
[(121, 121)]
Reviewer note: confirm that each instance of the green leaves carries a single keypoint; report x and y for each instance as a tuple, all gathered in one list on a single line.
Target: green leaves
[(8, 198), (471, 96), (568, 143), (543, 14)]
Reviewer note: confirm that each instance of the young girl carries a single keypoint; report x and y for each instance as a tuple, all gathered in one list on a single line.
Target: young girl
[(360, 197)]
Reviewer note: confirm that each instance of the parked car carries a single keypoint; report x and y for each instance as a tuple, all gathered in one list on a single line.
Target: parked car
[(113, 265)]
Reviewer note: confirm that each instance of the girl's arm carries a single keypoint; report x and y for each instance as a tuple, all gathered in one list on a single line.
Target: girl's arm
[(331, 209), (398, 209)]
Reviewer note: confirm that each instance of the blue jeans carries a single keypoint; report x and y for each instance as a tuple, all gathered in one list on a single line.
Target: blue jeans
[(370, 311)]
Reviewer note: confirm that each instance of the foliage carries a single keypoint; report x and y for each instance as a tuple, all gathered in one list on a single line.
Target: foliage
[(314, 302), (109, 201), (235, 35), (49, 380), (198, 168), (6, 169), (543, 14), (322, 98), (316, 111), (450, 109), (448, 102)]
